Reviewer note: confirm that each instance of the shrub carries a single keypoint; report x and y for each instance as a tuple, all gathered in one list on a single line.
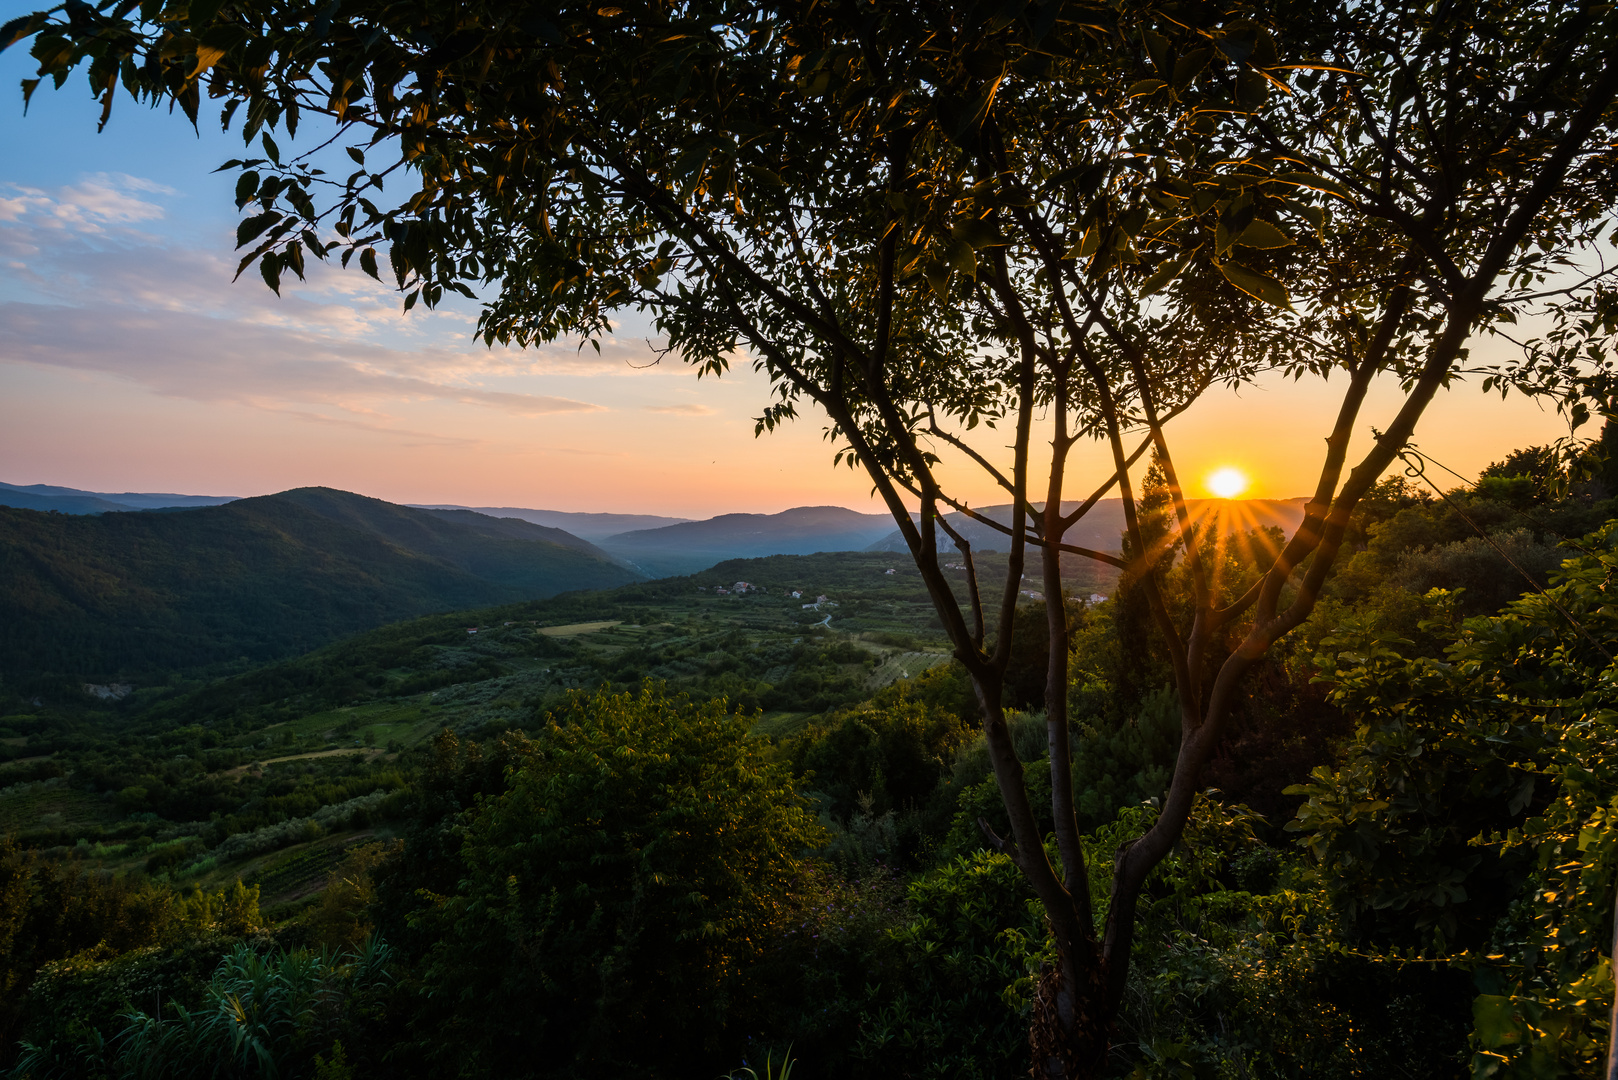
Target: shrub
[(617, 895), (956, 1006), (261, 1016)]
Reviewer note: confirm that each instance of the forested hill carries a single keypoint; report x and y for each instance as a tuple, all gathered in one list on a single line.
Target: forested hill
[(133, 597)]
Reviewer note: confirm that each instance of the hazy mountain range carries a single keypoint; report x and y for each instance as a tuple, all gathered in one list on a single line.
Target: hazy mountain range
[(690, 546), (123, 586), (595, 527), (659, 546), (655, 545), (66, 500)]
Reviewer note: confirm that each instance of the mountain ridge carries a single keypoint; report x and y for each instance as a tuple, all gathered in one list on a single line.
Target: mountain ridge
[(122, 596), (583, 524)]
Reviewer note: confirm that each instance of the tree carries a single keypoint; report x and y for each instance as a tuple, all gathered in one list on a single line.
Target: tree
[(924, 221), (615, 896)]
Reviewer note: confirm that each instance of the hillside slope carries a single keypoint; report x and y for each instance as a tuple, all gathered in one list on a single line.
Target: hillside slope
[(130, 596), (502, 553)]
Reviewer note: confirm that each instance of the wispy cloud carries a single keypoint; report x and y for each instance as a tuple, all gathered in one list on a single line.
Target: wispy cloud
[(410, 437), (685, 409), (213, 360), (77, 247), (90, 292), (96, 204)]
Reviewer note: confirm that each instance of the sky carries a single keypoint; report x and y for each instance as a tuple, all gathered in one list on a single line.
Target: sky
[(129, 361)]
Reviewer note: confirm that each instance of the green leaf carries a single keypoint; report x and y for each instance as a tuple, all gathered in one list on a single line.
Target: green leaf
[(962, 259), (1086, 245), (1255, 284), (1317, 183), (213, 45), (1157, 47), (1495, 1022), (203, 12), (252, 227), (270, 149), (1189, 66), (1261, 234), (978, 233), (1252, 89), (1167, 272), (16, 29), (246, 186), (270, 267), (1146, 86), (368, 262), (207, 57)]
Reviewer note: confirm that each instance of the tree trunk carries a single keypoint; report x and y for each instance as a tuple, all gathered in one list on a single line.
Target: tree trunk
[(1070, 1030)]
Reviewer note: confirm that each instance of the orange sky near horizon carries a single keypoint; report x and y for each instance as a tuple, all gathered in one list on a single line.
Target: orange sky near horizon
[(657, 442)]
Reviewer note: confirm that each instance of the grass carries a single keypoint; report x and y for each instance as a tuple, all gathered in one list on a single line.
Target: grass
[(905, 665), (293, 873), (780, 724), (575, 629), (375, 724)]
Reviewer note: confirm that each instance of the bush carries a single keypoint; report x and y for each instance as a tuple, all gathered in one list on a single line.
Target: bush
[(617, 896), (957, 1004), (1489, 580), (261, 1016)]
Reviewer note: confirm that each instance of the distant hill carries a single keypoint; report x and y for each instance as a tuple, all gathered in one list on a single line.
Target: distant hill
[(66, 500), (587, 526), (696, 545), (132, 596), (442, 533)]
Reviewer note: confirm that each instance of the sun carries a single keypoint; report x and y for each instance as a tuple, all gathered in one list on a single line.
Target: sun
[(1227, 483)]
